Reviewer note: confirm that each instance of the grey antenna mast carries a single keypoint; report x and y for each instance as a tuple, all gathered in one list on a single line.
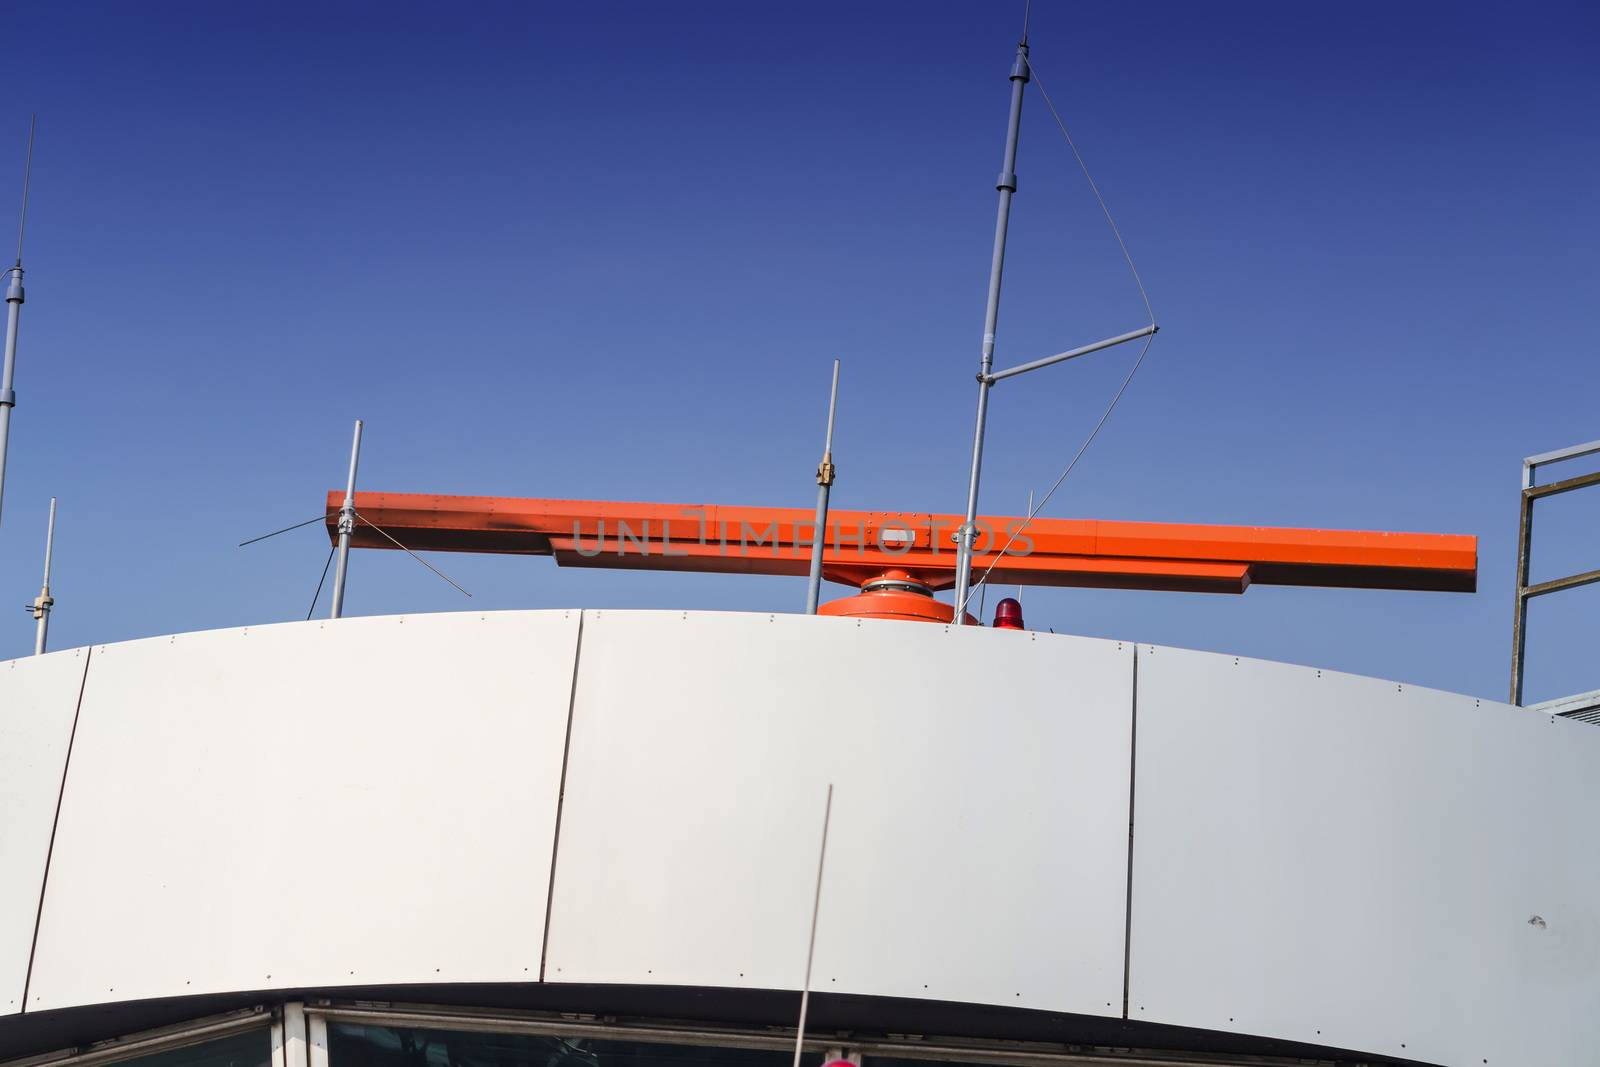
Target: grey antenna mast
[(44, 601), (8, 395), (987, 375), (825, 475), (347, 527), (1007, 185)]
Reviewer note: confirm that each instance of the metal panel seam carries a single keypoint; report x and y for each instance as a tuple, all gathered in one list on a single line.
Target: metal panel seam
[(561, 796), (1133, 763), (55, 821)]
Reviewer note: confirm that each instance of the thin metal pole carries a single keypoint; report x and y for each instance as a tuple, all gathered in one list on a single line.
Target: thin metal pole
[(44, 601), (1519, 621), (1007, 185), (825, 473), (14, 298), (347, 526), (1029, 516), (811, 943)]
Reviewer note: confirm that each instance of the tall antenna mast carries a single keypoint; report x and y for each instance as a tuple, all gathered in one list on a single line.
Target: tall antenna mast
[(1007, 185), (347, 526), (44, 601), (825, 473), (8, 396)]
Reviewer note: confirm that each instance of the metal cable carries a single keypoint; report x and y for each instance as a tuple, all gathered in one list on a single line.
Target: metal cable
[(1127, 257), (984, 578), (1104, 210), (27, 180), (313, 608), (410, 553), (286, 529)]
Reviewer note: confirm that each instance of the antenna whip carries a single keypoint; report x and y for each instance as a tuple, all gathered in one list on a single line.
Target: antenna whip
[(1127, 258)]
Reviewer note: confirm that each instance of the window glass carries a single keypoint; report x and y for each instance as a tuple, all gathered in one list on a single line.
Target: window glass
[(252, 1048), (359, 1045)]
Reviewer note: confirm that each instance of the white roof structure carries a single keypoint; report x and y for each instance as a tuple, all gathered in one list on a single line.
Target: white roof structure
[(1070, 842)]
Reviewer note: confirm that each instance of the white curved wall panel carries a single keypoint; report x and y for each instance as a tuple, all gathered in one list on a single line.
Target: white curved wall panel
[(38, 697), (978, 849), (1352, 862), (1317, 857), (361, 801)]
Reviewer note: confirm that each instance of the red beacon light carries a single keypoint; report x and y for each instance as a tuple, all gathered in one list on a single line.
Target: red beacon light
[(1008, 614)]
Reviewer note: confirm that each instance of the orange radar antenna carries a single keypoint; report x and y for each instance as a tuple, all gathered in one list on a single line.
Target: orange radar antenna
[(898, 560)]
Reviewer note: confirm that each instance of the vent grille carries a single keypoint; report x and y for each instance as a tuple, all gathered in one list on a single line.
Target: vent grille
[(1584, 707)]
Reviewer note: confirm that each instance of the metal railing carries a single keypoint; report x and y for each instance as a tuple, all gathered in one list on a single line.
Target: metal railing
[(1526, 592)]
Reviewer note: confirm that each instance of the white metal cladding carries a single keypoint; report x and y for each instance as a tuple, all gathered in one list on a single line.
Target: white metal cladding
[(978, 849), (358, 801), (38, 698), (1349, 861)]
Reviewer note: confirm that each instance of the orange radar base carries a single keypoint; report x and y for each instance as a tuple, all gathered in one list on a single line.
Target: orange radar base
[(896, 556)]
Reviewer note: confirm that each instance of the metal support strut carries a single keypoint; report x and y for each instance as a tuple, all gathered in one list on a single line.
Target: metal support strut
[(347, 526), (1007, 186)]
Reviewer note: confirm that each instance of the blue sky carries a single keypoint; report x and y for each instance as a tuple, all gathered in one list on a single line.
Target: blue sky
[(608, 251)]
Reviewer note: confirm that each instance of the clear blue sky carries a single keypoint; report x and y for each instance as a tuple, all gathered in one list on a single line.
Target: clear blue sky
[(607, 251)]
